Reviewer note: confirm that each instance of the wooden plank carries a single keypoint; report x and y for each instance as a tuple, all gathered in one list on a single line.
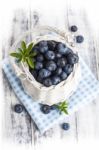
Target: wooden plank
[(96, 102), (17, 127), (86, 116)]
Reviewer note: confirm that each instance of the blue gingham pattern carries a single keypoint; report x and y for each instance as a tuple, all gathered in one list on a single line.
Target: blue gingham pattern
[(87, 91)]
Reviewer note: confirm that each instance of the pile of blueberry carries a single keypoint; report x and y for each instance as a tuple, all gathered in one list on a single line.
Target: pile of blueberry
[(53, 63)]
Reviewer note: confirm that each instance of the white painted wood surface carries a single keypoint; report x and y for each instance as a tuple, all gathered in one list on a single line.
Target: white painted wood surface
[(84, 124)]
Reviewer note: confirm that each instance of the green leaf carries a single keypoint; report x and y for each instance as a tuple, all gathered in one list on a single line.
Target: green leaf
[(65, 111), (62, 107), (17, 55), (23, 58), (24, 54), (30, 62), (33, 54), (19, 59), (23, 45), (29, 48)]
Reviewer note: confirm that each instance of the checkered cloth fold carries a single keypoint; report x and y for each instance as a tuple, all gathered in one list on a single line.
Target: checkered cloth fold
[(87, 91)]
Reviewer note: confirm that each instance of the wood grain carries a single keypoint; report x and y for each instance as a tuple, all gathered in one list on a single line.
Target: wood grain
[(19, 127)]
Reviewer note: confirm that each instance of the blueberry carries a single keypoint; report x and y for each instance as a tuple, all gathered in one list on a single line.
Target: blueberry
[(51, 45), (38, 65), (72, 58), (47, 82), (53, 107), (69, 51), (40, 57), (79, 39), (39, 79), (58, 55), (34, 73), (55, 80), (42, 43), (61, 62), (35, 49), (65, 126), (74, 28), (45, 109), (58, 71), (61, 48), (43, 73), (43, 49), (68, 68), (51, 65), (63, 76), (18, 108), (49, 55)]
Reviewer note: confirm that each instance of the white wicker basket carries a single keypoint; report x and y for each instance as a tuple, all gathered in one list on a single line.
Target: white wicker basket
[(55, 93)]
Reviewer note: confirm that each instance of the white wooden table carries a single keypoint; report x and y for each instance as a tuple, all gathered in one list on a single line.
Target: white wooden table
[(84, 124)]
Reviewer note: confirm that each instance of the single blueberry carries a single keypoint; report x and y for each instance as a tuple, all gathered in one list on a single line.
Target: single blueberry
[(45, 109), (34, 73), (43, 73), (42, 43), (61, 62), (47, 82), (18, 108), (35, 49), (65, 126), (43, 49), (58, 71), (63, 76), (79, 39), (69, 50), (73, 28), (61, 48), (40, 57), (49, 55), (72, 58), (51, 65), (51, 45), (68, 68), (39, 79), (38, 65), (55, 80)]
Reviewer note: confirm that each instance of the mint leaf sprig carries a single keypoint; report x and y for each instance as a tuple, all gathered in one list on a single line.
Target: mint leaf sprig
[(62, 107), (25, 54)]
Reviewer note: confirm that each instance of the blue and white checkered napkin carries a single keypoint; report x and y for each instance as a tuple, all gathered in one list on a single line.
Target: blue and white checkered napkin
[(87, 91)]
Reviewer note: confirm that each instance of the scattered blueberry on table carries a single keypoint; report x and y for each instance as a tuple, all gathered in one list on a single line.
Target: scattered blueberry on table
[(73, 28), (18, 108), (79, 39), (65, 126), (45, 109)]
